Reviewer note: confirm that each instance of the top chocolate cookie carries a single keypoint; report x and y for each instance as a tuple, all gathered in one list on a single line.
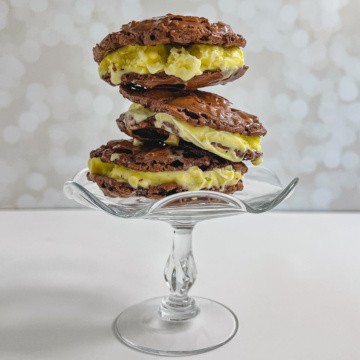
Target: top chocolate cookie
[(169, 29), (173, 51)]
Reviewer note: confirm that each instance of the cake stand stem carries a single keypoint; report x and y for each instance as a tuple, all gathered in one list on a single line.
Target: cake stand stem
[(177, 325), (180, 274)]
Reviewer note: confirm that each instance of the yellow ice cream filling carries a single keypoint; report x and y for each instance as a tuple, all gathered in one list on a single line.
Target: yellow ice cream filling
[(192, 179), (204, 137), (182, 62)]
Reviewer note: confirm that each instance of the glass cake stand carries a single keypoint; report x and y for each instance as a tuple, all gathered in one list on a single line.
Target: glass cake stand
[(178, 324)]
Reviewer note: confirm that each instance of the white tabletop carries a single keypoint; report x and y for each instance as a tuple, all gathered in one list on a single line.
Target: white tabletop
[(293, 280)]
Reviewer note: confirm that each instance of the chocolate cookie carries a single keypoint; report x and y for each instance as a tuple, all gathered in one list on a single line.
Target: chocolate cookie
[(204, 119), (161, 80), (122, 169), (171, 51)]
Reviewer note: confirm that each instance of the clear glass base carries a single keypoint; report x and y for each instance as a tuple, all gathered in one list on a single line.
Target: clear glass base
[(141, 327), (177, 325)]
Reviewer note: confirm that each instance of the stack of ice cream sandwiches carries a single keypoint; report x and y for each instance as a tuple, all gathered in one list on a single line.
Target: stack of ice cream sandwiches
[(183, 139)]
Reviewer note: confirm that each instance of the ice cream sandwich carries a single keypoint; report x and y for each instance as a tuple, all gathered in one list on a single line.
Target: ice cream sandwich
[(185, 52), (122, 168), (206, 120)]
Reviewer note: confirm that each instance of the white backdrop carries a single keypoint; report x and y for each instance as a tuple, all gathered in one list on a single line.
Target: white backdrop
[(303, 83)]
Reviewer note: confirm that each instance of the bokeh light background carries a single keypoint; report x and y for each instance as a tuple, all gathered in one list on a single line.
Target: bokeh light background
[(303, 83)]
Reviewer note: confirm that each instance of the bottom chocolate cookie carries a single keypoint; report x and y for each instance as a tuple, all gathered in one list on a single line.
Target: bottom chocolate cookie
[(113, 188), (122, 169)]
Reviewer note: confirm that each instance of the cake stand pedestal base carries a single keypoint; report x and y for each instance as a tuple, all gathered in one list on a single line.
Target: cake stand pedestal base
[(142, 327)]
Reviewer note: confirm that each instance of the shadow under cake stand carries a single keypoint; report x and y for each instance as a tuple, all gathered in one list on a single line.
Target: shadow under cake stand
[(178, 324)]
